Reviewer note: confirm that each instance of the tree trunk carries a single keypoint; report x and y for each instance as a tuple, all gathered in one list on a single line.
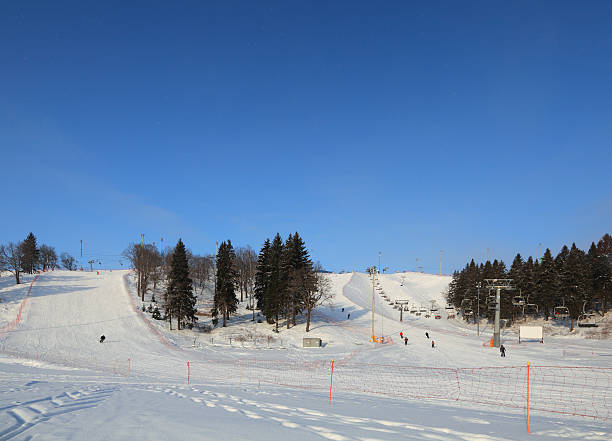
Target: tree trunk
[(170, 317), (308, 319), (277, 322), (17, 277)]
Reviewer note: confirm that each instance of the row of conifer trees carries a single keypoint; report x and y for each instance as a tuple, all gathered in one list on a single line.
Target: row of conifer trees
[(577, 280)]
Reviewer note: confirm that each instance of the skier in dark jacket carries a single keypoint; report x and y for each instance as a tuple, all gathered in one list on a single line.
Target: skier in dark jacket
[(427, 334), (102, 339), (502, 350), (405, 341)]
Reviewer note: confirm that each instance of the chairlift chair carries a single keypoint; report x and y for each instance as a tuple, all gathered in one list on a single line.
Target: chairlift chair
[(518, 301), (560, 312)]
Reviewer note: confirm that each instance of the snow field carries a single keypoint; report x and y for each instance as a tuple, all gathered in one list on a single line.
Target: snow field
[(372, 384)]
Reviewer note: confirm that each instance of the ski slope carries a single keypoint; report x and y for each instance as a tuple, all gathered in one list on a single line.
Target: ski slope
[(60, 383)]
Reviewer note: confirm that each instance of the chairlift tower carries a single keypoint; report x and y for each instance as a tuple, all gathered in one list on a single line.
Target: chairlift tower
[(498, 285)]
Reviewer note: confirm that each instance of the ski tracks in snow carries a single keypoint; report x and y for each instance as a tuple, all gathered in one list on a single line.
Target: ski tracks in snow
[(29, 414)]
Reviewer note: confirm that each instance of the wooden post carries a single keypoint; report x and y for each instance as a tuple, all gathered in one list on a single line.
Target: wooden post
[(188, 373)]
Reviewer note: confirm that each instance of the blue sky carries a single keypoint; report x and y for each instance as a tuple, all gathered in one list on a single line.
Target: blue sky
[(401, 127)]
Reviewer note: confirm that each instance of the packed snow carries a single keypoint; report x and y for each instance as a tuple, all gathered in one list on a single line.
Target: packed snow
[(248, 382)]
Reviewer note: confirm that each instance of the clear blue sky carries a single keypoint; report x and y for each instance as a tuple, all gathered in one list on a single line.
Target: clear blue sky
[(401, 127)]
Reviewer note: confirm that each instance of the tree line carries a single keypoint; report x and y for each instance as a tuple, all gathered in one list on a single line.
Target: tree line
[(282, 280), (27, 257), (287, 283), (575, 279)]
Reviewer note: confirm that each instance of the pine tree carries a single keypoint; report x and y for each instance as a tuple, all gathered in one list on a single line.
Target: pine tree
[(600, 276), (179, 299), (225, 300), (575, 282), (547, 283), (30, 253), (274, 301), (262, 275), (297, 273)]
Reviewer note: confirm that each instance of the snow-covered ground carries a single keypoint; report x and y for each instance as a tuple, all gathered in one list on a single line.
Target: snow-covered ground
[(248, 382)]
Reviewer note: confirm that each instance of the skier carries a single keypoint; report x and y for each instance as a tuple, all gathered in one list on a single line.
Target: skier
[(349, 316), (433, 344), (401, 334), (405, 341), (427, 334), (102, 339), (502, 350), (342, 309)]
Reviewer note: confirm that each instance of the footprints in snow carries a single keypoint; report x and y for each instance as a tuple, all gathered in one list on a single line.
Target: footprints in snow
[(30, 413), (285, 416)]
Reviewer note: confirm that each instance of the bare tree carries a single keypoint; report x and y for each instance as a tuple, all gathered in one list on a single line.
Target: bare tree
[(11, 259), (200, 271), (313, 287), (246, 262), (48, 257), (145, 259), (68, 261)]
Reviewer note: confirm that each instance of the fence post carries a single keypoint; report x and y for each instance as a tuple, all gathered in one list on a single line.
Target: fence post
[(528, 428), (188, 373), (240, 383), (331, 381)]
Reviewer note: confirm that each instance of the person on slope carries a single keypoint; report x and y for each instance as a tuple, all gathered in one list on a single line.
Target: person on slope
[(427, 334), (433, 344), (401, 334), (405, 341), (102, 339), (502, 350)]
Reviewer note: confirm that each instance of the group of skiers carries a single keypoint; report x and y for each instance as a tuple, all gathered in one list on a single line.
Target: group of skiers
[(502, 349)]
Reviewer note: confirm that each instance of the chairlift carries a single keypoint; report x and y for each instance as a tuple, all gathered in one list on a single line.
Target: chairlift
[(560, 312), (586, 319), (466, 304), (530, 308), (518, 301)]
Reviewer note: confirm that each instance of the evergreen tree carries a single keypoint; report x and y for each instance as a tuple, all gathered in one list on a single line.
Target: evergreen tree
[(575, 287), (274, 301), (600, 276), (179, 299), (30, 254), (262, 275), (225, 300), (298, 275), (547, 284)]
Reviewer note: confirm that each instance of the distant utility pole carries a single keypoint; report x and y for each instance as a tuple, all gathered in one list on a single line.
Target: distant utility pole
[(487, 254), (416, 269), (91, 262), (379, 255), (373, 294), (81, 254), (539, 252), (441, 251), (478, 285), (142, 239)]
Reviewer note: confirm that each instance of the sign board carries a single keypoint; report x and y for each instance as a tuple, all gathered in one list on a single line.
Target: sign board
[(531, 332), (311, 342)]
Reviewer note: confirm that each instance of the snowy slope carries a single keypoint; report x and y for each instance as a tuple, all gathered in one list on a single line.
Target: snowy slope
[(60, 383)]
